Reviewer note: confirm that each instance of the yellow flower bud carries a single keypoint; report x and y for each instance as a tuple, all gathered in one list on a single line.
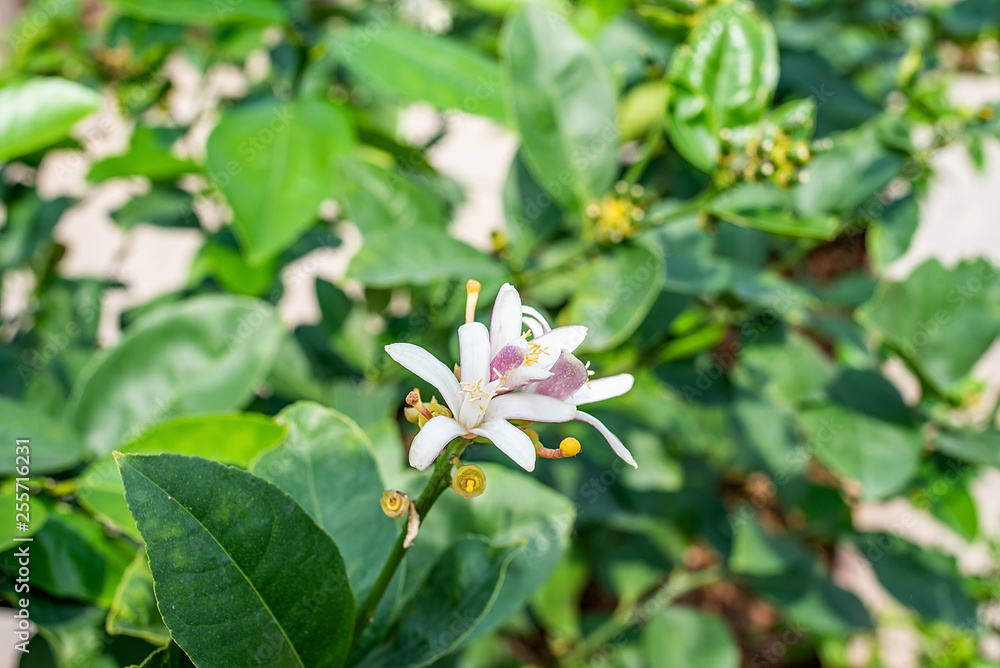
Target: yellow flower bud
[(469, 481), (394, 503), (570, 447)]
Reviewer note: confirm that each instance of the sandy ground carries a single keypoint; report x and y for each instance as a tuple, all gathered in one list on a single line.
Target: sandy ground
[(958, 222)]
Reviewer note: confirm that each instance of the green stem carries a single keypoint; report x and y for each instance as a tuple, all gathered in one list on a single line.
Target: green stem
[(439, 482)]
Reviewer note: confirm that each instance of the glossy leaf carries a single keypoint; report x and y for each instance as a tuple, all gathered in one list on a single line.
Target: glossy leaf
[(133, 610), (449, 605), (561, 98), (199, 356), (231, 439), (325, 463), (194, 12), (170, 656), (614, 295), (273, 162), (448, 74), (723, 77), (37, 112), (681, 636), (941, 320), (231, 536), (54, 446)]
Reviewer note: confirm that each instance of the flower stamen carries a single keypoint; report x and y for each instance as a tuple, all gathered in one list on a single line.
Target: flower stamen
[(534, 351)]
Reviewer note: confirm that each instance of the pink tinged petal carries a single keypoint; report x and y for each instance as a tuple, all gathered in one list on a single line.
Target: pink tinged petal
[(474, 352), (509, 358), (534, 407), (418, 361), (558, 340), (432, 439), (533, 314), (613, 440), (603, 388), (568, 375), (512, 442), (505, 323)]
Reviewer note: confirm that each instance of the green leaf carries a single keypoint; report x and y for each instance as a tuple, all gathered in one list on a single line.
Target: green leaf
[(448, 606), (379, 199), (414, 65), (843, 177), (148, 155), (35, 113), (562, 100), (926, 581), (72, 557), (203, 355), (385, 262), (54, 445), (974, 447), (614, 295), (231, 270), (723, 77), (681, 636), (766, 207), (231, 439), (28, 230), (197, 12), (38, 515), (889, 235), (326, 464), (163, 206), (273, 162), (276, 581), (940, 320), (882, 456), (170, 656), (133, 609)]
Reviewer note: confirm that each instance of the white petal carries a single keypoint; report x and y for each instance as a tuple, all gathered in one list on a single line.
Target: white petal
[(474, 352), (505, 323), (613, 440), (534, 407), (537, 317), (603, 388), (525, 374), (432, 439), (558, 340), (420, 362), (534, 326), (512, 442)]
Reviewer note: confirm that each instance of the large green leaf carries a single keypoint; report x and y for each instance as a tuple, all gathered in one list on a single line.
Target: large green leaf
[(133, 610), (926, 581), (882, 456), (449, 605), (686, 637), (941, 320), (35, 113), (273, 161), (54, 446), (148, 155), (614, 295), (326, 464), (231, 439), (562, 99), (72, 557), (843, 177), (976, 447), (723, 77), (271, 589), (413, 65), (199, 356), (197, 12), (387, 260), (376, 198)]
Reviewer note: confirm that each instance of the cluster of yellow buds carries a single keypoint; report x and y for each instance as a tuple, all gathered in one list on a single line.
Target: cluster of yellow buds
[(419, 412), (771, 155), (617, 216)]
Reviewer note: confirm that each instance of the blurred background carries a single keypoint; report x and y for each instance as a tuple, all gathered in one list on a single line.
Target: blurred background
[(796, 288)]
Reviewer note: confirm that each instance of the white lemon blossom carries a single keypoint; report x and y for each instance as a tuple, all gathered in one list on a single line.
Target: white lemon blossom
[(496, 362)]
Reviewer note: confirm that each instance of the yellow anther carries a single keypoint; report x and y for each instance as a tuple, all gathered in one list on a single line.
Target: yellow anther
[(534, 350), (570, 447), (394, 503), (469, 481), (472, 288)]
